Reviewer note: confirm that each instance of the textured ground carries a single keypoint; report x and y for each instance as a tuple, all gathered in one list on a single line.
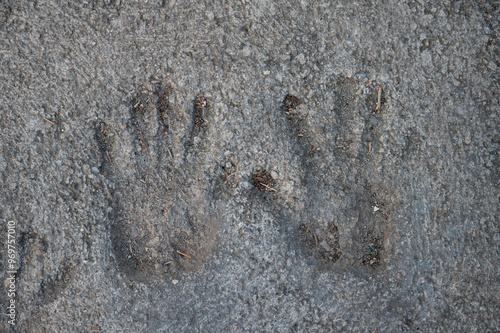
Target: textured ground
[(251, 166)]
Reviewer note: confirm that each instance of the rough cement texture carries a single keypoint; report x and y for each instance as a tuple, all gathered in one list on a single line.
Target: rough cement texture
[(273, 166)]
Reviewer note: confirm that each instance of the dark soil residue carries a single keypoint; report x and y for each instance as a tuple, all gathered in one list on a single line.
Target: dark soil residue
[(165, 108), (263, 180), (141, 105), (324, 245), (106, 138), (372, 251), (290, 105), (201, 106)]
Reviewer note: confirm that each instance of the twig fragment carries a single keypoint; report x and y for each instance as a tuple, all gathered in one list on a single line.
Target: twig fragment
[(143, 141), (379, 100), (183, 254), (269, 188), (231, 174), (50, 122)]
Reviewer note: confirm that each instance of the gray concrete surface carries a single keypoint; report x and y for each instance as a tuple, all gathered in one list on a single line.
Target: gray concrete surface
[(268, 166)]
